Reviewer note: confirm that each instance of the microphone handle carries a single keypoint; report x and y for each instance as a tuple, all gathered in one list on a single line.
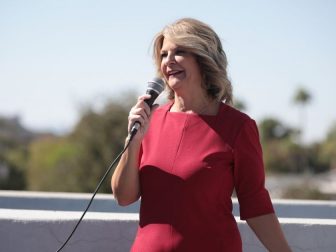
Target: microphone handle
[(150, 102), (153, 95)]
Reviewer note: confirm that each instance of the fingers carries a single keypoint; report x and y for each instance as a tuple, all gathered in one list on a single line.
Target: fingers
[(137, 115), (144, 105), (140, 112)]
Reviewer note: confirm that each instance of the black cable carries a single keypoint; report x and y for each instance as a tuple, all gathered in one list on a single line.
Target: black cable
[(96, 190)]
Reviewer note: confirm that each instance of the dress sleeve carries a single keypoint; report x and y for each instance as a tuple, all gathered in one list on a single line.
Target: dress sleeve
[(249, 174)]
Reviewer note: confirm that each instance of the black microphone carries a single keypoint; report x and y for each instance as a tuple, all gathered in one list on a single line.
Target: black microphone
[(154, 88)]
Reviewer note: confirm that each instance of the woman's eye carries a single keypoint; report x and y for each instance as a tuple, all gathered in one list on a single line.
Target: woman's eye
[(181, 51), (163, 55)]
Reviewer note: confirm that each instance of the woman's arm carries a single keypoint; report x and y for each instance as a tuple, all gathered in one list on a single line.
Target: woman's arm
[(268, 230), (125, 180)]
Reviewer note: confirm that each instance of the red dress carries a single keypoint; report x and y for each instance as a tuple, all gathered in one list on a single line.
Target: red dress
[(189, 167)]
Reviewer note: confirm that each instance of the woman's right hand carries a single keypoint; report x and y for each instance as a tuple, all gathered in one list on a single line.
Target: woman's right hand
[(141, 113)]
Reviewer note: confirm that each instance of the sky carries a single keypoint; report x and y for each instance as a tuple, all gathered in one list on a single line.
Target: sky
[(57, 56)]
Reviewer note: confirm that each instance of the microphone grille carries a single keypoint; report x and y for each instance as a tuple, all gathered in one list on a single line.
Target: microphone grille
[(156, 84)]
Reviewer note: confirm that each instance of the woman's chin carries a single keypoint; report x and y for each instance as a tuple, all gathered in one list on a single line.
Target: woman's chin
[(175, 82)]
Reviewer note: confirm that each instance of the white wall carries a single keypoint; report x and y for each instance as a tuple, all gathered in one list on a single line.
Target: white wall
[(45, 230)]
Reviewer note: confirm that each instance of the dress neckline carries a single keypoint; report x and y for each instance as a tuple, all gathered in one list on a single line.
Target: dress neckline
[(168, 106)]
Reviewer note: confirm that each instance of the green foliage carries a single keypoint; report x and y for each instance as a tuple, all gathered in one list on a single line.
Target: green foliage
[(100, 137), (51, 165), (77, 162), (282, 156), (305, 192), (316, 159), (13, 164), (302, 96), (273, 129), (279, 151), (328, 148), (13, 153), (282, 153)]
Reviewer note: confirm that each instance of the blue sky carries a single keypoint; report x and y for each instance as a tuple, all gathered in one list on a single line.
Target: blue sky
[(56, 56)]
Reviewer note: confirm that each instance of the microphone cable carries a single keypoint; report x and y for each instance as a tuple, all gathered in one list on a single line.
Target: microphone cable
[(155, 87), (129, 139)]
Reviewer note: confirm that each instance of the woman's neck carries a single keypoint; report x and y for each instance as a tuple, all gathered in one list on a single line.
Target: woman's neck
[(201, 105)]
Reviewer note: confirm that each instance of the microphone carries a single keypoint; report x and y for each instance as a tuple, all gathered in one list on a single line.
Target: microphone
[(154, 88)]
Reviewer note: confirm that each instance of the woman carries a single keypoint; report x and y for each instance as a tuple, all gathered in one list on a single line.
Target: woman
[(191, 153)]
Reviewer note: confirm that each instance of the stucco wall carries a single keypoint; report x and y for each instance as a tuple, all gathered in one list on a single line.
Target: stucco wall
[(102, 230)]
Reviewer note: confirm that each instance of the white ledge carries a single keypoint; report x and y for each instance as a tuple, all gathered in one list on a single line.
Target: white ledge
[(39, 221)]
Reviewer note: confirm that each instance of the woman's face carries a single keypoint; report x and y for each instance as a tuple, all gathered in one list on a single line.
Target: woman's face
[(179, 67)]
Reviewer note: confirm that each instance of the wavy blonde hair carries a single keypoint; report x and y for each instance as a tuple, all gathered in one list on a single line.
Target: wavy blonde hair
[(201, 40)]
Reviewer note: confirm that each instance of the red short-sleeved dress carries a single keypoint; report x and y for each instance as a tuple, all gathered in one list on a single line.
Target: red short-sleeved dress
[(189, 167)]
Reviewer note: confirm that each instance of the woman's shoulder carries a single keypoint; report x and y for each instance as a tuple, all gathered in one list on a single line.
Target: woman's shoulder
[(232, 114), (233, 122)]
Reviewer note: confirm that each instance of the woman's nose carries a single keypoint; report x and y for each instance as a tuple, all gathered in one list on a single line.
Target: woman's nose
[(170, 58)]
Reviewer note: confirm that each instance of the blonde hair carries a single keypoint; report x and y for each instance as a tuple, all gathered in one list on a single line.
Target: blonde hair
[(200, 40)]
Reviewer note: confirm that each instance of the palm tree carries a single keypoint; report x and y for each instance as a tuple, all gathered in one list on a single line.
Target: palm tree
[(302, 98)]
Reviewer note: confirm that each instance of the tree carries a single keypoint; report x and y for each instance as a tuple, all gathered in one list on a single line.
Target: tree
[(52, 165), (77, 161), (328, 148), (302, 98), (280, 152), (13, 168), (273, 129), (14, 139), (101, 136)]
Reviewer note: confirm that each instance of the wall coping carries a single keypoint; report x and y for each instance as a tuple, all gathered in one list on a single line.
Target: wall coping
[(45, 215), (113, 229), (72, 195), (105, 203)]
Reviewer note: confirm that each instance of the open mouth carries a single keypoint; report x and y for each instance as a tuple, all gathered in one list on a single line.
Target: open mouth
[(174, 73)]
